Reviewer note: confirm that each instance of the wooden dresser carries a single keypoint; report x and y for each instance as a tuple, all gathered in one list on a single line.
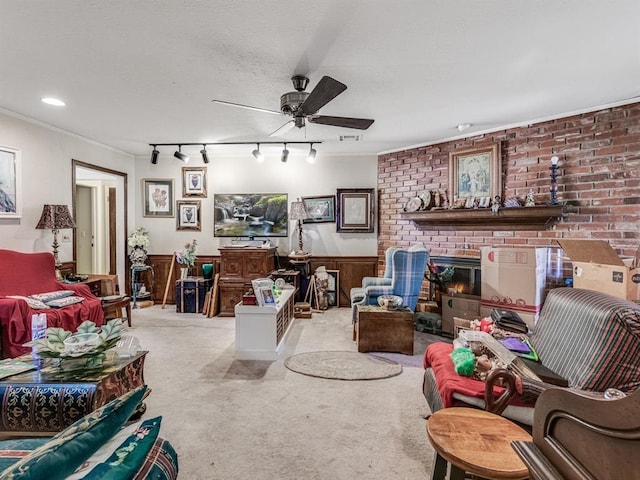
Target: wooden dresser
[(238, 266)]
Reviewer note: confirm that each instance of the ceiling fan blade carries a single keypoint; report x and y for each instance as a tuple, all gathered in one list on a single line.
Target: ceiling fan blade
[(326, 90), (283, 129), (359, 123), (248, 107)]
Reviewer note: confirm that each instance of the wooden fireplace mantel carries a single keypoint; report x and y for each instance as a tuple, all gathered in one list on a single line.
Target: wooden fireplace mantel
[(518, 218)]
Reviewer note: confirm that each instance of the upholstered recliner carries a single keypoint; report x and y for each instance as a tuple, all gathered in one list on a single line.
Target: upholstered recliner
[(577, 436), (589, 338), (407, 273)]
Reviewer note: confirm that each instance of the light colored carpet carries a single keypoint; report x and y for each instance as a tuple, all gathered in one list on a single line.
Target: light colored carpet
[(342, 365), (251, 420)]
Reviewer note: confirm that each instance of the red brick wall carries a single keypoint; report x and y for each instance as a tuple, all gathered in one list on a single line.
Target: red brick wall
[(599, 174)]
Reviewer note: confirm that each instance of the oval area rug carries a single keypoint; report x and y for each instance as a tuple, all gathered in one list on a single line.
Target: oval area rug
[(342, 365)]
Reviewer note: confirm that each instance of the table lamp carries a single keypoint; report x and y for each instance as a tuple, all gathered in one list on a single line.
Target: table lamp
[(55, 218), (299, 212)]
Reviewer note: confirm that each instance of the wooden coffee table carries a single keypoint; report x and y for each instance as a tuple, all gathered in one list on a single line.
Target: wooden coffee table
[(380, 330), (476, 442), (46, 401)]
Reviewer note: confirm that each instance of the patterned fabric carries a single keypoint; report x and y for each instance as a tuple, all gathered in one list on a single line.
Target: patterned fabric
[(388, 271), (32, 302), (408, 266), (64, 452), (64, 302), (161, 463), (49, 296), (591, 339), (122, 455), (44, 408)]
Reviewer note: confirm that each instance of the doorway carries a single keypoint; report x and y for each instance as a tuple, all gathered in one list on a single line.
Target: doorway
[(99, 208)]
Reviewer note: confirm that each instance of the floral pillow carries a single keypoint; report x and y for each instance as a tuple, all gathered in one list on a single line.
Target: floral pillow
[(32, 302), (63, 302), (47, 297), (122, 455)]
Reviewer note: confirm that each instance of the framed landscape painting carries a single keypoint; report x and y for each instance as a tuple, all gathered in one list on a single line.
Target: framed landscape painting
[(320, 209), (158, 197), (10, 183), (475, 173)]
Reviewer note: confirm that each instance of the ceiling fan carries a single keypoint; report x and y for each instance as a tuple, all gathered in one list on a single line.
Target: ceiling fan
[(303, 106)]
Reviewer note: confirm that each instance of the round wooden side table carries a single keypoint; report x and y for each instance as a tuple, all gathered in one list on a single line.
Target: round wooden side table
[(476, 442)]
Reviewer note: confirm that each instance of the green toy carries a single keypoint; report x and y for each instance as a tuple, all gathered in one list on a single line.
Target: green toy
[(464, 361)]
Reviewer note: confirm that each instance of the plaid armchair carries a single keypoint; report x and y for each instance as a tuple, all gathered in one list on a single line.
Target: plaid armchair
[(388, 271), (407, 274)]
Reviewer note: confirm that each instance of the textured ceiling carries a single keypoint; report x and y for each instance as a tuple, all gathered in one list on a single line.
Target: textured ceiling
[(140, 72)]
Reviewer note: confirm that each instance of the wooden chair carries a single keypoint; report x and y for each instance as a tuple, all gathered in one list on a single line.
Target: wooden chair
[(577, 436)]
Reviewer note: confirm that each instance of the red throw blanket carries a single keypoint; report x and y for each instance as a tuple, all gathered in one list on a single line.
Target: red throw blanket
[(437, 356), (31, 273)]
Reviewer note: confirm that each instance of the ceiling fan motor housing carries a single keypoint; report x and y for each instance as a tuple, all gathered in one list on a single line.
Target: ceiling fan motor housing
[(291, 101)]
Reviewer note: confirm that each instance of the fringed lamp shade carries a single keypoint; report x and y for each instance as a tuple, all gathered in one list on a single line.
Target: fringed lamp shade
[(55, 218), (299, 212)]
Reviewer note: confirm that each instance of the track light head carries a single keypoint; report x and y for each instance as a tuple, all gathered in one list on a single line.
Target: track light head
[(181, 156), (203, 152), (285, 154), (311, 156), (258, 154), (154, 155)]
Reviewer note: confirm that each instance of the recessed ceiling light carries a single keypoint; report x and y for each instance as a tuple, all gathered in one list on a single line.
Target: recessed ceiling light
[(56, 102), (464, 126)]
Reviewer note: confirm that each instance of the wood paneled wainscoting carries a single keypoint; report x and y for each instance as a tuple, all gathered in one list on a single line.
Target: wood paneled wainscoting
[(352, 269)]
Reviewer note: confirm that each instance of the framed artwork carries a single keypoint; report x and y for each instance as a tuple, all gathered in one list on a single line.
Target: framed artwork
[(321, 209), (158, 197), (188, 215), (333, 289), (10, 183), (194, 181), (355, 210), (250, 215), (475, 173)]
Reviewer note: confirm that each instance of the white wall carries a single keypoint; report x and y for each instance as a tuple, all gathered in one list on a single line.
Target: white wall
[(240, 173), (46, 165), (46, 179)]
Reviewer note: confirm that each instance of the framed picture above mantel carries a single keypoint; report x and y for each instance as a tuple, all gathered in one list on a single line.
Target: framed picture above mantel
[(475, 173)]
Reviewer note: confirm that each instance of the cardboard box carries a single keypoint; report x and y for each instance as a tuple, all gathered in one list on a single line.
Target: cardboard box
[(459, 305), (596, 266), (460, 324), (514, 278)]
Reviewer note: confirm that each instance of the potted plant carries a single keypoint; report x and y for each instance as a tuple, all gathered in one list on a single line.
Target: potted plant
[(187, 257)]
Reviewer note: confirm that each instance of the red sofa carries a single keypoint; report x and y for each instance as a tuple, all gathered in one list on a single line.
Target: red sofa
[(25, 274)]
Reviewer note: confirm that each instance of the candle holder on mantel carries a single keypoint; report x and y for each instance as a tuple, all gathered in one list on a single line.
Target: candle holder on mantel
[(553, 189)]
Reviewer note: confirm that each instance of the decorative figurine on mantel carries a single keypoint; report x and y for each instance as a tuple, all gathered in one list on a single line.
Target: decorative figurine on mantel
[(529, 201), (495, 206)]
